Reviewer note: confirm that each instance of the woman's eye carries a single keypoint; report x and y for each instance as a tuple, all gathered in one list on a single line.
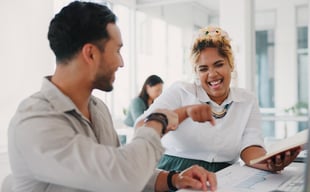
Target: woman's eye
[(219, 64), (203, 69)]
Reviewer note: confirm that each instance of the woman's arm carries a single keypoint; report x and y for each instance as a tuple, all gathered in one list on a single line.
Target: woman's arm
[(253, 152), (273, 164), (198, 112), (137, 108)]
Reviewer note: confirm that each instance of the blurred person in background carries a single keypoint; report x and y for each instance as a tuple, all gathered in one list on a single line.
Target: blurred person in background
[(151, 89)]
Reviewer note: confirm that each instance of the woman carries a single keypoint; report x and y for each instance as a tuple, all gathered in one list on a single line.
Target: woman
[(237, 131), (151, 89)]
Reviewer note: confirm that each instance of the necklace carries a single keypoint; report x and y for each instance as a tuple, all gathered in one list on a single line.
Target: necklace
[(220, 114)]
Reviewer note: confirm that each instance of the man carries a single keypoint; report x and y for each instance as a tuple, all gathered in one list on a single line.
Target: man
[(62, 138)]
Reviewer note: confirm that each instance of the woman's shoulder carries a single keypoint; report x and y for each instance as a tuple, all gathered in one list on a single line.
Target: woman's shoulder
[(137, 101), (182, 85), (241, 94)]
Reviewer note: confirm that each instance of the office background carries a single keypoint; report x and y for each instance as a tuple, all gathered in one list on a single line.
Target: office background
[(269, 38)]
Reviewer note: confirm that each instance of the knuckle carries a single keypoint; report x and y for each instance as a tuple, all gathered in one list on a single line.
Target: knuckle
[(196, 166)]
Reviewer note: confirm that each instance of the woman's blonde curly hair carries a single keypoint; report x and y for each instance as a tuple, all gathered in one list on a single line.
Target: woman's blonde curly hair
[(212, 37)]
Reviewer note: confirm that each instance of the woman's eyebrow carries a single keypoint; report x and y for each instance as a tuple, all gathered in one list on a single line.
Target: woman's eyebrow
[(219, 61)]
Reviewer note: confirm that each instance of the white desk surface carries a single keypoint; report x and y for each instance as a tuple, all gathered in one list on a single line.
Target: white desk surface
[(238, 178)]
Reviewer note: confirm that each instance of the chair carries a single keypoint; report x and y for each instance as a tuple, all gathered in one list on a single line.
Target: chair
[(7, 184)]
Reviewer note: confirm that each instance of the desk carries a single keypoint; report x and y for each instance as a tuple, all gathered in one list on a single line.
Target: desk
[(238, 178)]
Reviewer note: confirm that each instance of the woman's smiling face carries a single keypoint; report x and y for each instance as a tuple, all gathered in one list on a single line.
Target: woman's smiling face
[(214, 73)]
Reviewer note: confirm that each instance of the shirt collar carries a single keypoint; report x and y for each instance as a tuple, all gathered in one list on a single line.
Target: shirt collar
[(60, 101), (203, 97)]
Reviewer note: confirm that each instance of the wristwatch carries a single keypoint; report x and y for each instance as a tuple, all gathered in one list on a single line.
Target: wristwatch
[(169, 180), (159, 117)]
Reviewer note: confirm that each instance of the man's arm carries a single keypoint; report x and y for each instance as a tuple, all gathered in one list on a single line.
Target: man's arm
[(77, 161), (194, 177)]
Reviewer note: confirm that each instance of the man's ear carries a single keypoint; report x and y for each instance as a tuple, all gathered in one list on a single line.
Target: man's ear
[(88, 52)]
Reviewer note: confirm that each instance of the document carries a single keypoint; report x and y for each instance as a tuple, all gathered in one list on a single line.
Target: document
[(297, 140), (241, 178), (238, 178)]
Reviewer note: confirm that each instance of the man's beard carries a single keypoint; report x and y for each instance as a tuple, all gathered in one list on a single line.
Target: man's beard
[(103, 84)]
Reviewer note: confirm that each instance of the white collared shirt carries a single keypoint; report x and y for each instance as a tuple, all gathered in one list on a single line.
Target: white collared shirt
[(238, 129)]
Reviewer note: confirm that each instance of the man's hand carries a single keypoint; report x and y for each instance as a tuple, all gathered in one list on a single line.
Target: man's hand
[(195, 177)]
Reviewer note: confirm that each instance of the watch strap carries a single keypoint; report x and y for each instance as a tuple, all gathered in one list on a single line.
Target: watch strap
[(169, 180)]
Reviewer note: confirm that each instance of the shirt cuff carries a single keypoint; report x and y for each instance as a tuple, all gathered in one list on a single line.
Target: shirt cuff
[(152, 137), (150, 186)]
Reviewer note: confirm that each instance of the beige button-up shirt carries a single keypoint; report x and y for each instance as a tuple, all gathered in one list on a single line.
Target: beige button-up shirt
[(53, 148)]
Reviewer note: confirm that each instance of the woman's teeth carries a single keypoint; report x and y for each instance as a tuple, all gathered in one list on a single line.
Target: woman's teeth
[(212, 83)]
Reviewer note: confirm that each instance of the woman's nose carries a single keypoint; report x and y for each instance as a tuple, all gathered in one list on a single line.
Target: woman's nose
[(212, 71)]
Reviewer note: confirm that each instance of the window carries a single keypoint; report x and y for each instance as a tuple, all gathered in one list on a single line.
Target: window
[(302, 64), (265, 76), (282, 68), (265, 68)]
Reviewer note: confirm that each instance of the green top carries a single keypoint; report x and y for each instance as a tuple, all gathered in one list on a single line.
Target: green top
[(136, 108)]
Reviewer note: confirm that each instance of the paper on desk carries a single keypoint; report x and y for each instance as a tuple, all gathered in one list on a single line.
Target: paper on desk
[(239, 178)]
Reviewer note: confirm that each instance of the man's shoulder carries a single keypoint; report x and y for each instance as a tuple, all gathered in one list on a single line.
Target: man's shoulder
[(99, 103), (35, 102)]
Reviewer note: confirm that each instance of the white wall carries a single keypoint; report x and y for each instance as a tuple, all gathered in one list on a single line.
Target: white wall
[(184, 17), (238, 21), (24, 53)]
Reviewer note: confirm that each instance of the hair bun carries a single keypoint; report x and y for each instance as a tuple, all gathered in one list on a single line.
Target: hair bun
[(211, 32)]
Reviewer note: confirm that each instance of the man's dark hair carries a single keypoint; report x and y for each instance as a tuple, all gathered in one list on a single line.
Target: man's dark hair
[(77, 24)]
